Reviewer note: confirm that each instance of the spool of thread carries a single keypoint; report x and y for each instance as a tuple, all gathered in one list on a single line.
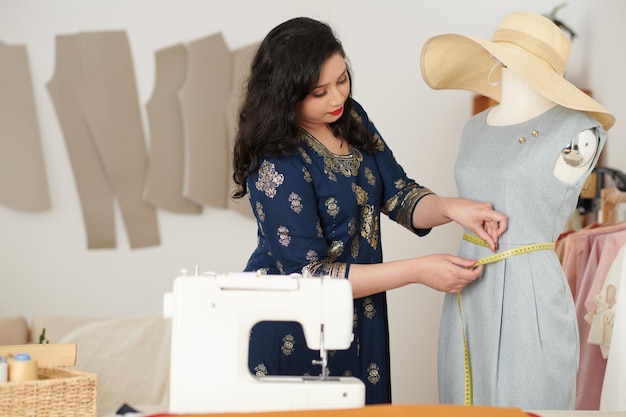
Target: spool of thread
[(4, 371), (22, 368)]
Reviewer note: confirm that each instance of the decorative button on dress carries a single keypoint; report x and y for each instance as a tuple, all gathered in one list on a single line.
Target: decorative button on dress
[(319, 211), (519, 316)]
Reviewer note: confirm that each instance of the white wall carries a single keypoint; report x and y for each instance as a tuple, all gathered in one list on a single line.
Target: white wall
[(44, 265)]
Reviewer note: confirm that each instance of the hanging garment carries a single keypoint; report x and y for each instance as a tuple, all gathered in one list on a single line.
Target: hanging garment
[(166, 167), (95, 97), (603, 293), (612, 397), (202, 100), (23, 181), (519, 316), (242, 59), (583, 269), (599, 251)]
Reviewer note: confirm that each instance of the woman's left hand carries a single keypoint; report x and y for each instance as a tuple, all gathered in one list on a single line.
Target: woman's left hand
[(478, 217), (481, 219)]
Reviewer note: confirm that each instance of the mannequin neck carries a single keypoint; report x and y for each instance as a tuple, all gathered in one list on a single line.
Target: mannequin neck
[(519, 102)]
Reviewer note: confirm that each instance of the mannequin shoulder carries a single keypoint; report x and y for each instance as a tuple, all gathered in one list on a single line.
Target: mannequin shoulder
[(574, 160)]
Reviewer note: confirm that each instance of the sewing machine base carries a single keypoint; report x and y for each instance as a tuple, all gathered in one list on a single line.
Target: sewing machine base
[(296, 393)]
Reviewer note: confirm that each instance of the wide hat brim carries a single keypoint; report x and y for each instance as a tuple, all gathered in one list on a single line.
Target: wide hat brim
[(453, 61)]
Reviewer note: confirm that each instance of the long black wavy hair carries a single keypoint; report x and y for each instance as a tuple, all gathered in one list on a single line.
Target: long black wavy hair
[(284, 71)]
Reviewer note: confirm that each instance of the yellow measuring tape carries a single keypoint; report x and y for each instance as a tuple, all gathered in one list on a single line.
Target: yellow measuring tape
[(533, 247)]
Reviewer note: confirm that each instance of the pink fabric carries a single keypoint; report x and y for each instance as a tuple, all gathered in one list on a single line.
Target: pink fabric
[(609, 246), (573, 256), (592, 364), (613, 398), (582, 262)]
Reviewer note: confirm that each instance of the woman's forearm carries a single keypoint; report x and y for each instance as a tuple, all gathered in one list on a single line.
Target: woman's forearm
[(441, 272)]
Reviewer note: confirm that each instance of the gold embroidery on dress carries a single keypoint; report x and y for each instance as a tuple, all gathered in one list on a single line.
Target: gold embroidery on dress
[(331, 206), (296, 202), (369, 175), (320, 231), (283, 235), (279, 265), (338, 270), (354, 248), (373, 373), (369, 219), (326, 268), (260, 370), (306, 175), (347, 372), (335, 250), (408, 201), (352, 227), (392, 203), (288, 345), (269, 180), (378, 143), (347, 165), (368, 308), (400, 183), (259, 211), (311, 255), (305, 155), (360, 194), (369, 225)]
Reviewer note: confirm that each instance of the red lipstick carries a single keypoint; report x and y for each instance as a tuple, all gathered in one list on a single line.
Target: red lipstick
[(337, 112)]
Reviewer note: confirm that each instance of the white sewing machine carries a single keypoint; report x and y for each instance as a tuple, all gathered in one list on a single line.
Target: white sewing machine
[(212, 316)]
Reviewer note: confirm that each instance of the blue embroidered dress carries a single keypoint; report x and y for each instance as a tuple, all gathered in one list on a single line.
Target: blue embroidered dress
[(320, 211)]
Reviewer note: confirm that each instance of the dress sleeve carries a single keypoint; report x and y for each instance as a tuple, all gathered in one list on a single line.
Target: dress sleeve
[(284, 203), (401, 194)]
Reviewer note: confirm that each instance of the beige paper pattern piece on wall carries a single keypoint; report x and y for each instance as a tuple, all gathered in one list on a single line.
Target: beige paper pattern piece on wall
[(242, 59), (23, 181), (94, 192), (106, 94), (166, 166), (110, 104), (202, 101)]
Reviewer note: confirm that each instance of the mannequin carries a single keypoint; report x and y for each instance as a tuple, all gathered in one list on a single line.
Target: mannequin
[(520, 103), (529, 157)]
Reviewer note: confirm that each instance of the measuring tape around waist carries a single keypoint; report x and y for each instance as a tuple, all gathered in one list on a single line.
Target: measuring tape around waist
[(533, 247)]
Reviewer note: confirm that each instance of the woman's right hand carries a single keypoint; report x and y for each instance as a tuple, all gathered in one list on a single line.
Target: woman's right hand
[(441, 272), (447, 273)]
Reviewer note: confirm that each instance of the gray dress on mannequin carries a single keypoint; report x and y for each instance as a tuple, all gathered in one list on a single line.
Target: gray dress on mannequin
[(519, 316)]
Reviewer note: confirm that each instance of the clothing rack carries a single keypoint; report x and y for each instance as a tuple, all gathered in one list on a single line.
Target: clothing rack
[(590, 203), (609, 199)]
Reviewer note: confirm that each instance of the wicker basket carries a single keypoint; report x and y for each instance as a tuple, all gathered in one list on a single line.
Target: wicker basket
[(58, 392)]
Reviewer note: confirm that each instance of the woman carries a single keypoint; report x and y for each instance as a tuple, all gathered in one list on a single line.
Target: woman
[(318, 175)]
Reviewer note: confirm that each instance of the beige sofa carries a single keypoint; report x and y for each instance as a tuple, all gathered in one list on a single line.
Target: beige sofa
[(130, 355)]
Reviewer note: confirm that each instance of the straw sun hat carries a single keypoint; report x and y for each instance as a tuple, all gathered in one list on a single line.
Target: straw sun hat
[(530, 45)]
